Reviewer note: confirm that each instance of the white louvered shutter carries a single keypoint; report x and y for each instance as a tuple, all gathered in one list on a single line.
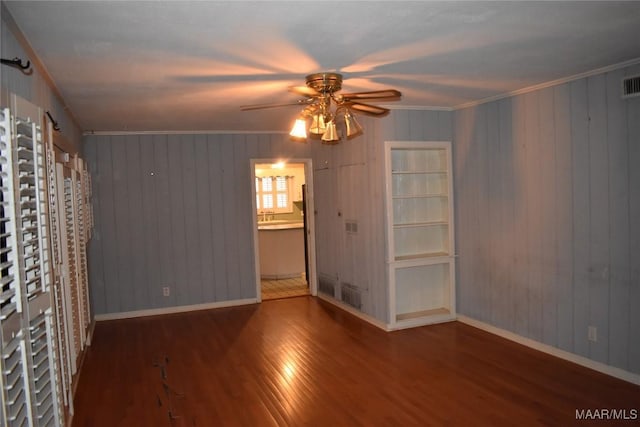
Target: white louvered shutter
[(82, 232), (31, 394), (59, 308), (15, 390)]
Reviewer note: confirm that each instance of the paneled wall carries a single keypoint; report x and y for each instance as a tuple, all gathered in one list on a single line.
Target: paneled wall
[(174, 210), (32, 87), (548, 216), (349, 186)]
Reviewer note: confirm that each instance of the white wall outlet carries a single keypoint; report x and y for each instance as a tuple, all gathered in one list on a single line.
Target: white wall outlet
[(592, 333), (166, 291)]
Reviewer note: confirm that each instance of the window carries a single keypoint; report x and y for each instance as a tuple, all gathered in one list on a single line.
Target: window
[(273, 194)]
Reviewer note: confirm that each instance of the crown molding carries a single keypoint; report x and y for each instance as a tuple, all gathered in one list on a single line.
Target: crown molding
[(551, 83), (416, 107)]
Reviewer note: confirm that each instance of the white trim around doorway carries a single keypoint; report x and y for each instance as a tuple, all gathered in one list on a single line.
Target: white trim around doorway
[(311, 240)]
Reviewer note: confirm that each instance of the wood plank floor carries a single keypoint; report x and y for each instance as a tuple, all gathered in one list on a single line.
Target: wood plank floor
[(283, 288), (303, 362)]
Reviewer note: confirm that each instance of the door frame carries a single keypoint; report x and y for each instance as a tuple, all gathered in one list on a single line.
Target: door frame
[(311, 238)]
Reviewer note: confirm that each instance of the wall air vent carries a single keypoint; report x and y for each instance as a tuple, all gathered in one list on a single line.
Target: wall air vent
[(326, 285), (631, 87), (350, 295)]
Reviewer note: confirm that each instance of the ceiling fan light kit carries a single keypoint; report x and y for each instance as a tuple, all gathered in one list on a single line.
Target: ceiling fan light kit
[(324, 106), (352, 126), (331, 135), (318, 126), (299, 131)]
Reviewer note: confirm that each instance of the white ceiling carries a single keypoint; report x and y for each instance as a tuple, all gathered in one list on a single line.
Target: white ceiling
[(183, 65)]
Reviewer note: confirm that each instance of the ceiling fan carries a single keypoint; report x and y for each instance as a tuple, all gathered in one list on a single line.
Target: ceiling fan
[(323, 105)]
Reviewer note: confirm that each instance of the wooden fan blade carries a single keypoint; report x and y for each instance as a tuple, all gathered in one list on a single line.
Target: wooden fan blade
[(264, 106), (372, 110), (387, 94), (304, 90)]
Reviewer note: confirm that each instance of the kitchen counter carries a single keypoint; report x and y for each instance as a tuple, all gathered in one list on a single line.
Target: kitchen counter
[(281, 246), (279, 225)]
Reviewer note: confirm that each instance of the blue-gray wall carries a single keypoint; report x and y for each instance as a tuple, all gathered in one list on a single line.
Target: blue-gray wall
[(174, 210), (547, 214), (547, 199), (349, 186)]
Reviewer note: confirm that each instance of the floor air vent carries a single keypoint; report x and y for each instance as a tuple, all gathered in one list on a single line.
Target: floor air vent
[(631, 87), (350, 294), (326, 286)]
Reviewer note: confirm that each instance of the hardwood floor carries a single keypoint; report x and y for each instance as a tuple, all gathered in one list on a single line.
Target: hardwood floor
[(303, 362), (283, 288)]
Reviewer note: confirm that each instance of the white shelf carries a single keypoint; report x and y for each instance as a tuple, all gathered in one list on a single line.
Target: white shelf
[(424, 239), (412, 184), (420, 224), (420, 256), (420, 233)]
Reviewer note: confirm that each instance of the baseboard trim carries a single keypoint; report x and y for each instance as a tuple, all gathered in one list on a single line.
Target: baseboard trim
[(173, 310), (369, 319), (92, 328), (545, 348)]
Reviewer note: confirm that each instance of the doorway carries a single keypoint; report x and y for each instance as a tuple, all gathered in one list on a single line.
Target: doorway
[(283, 226)]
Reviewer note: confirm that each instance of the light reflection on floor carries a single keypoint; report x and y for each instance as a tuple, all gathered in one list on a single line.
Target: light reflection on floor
[(284, 288)]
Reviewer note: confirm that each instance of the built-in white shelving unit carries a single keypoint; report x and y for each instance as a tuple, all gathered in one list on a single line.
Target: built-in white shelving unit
[(420, 233)]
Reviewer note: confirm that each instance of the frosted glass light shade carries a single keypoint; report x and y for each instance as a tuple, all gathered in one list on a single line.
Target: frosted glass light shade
[(353, 127), (331, 135), (318, 125), (299, 130)]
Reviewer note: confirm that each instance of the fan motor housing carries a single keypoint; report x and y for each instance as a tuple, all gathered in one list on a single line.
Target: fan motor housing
[(325, 82)]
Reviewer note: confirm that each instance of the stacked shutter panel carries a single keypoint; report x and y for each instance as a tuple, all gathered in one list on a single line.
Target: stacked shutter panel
[(29, 373), (14, 388)]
